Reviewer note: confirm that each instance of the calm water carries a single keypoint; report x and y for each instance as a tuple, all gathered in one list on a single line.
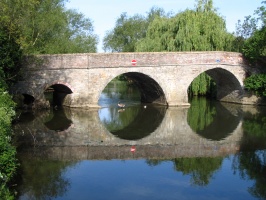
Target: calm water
[(207, 151)]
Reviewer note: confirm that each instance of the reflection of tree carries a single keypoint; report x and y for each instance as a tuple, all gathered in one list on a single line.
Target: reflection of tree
[(252, 164), (211, 119), (254, 127), (120, 120), (200, 114), (42, 179), (200, 169)]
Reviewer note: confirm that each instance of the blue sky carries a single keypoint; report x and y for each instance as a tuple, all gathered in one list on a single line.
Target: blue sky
[(104, 13)]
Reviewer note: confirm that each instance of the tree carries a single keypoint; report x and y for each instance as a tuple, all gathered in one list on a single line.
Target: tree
[(201, 29), (45, 26), (124, 36), (256, 83), (253, 33), (129, 30), (10, 56)]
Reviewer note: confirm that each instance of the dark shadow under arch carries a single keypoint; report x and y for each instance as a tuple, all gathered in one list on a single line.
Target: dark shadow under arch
[(226, 83), (28, 99), (56, 94), (150, 90)]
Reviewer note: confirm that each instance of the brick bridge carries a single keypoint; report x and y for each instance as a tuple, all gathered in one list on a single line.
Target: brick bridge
[(163, 78)]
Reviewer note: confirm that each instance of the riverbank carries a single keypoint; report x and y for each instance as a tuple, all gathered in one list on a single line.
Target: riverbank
[(8, 161)]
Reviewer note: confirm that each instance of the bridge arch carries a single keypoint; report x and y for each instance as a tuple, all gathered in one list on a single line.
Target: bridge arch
[(57, 93), (229, 86), (150, 90)]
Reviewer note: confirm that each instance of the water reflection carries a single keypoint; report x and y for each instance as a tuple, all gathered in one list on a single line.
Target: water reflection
[(211, 119), (59, 121), (201, 170), (252, 166), (43, 179), (134, 122), (57, 162)]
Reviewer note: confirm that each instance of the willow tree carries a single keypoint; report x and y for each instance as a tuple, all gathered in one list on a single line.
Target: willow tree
[(201, 29)]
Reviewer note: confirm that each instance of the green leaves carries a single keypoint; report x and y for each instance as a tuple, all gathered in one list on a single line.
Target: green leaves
[(8, 161), (253, 31), (44, 27), (192, 30), (129, 30), (256, 83)]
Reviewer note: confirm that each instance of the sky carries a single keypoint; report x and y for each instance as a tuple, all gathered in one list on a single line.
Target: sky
[(104, 13)]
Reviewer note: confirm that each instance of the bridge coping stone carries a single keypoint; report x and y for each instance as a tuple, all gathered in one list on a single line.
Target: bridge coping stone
[(104, 60)]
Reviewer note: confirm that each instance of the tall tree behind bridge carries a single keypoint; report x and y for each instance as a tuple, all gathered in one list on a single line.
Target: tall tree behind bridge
[(129, 30), (46, 26), (253, 34), (201, 29)]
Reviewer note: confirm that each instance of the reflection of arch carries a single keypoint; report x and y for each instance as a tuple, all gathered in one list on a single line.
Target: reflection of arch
[(58, 91), (211, 120), (59, 122), (150, 90), (145, 122)]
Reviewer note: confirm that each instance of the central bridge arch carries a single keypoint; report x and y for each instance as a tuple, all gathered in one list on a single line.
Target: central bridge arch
[(150, 89)]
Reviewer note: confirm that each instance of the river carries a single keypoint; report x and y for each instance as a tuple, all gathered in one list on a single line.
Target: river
[(210, 150)]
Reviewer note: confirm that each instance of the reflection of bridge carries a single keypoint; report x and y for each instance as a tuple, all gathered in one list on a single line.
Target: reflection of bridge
[(88, 138), (78, 79)]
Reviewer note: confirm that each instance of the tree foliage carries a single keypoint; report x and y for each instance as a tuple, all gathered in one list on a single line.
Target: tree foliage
[(202, 85), (124, 36), (129, 30), (10, 55), (256, 83), (45, 26), (201, 29), (8, 161), (253, 34)]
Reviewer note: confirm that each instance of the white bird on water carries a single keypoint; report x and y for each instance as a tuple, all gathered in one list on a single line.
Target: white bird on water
[(121, 105)]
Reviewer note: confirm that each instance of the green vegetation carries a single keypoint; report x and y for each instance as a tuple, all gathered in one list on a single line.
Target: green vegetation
[(201, 29), (203, 85), (47, 27), (252, 34), (129, 30), (256, 83), (8, 162), (201, 115)]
